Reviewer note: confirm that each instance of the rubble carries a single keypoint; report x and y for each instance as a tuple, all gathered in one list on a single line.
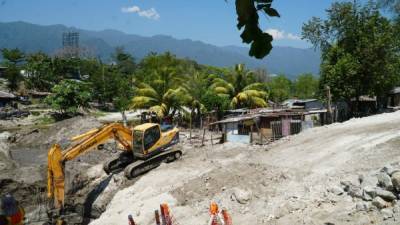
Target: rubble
[(380, 203), (385, 181), (380, 189), (396, 180), (387, 213)]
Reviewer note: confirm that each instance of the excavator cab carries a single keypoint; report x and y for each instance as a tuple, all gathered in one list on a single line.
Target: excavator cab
[(149, 140)]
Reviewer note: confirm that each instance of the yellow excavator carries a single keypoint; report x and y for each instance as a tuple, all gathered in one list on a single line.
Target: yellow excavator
[(144, 147)]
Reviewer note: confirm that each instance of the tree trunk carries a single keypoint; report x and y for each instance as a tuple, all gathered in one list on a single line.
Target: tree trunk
[(124, 119)]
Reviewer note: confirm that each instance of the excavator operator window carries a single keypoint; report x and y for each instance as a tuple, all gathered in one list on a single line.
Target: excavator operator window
[(137, 141), (151, 136)]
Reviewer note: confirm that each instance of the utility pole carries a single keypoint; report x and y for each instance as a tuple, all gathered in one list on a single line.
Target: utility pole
[(329, 96)]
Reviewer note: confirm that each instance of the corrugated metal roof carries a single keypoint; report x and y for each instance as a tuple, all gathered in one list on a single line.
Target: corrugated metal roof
[(236, 119), (4, 94)]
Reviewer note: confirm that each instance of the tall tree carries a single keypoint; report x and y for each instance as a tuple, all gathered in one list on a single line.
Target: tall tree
[(163, 95), (241, 88), (360, 56), (280, 88), (13, 60), (305, 86), (39, 71), (69, 96)]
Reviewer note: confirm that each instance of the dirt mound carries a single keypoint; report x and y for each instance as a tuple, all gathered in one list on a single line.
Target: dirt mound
[(290, 182)]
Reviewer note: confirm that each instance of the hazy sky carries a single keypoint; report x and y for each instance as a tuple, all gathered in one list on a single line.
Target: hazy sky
[(210, 21)]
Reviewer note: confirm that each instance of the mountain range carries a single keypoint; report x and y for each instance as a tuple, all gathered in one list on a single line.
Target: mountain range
[(31, 37)]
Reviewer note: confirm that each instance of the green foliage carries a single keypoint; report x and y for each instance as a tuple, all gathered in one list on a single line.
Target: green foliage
[(67, 68), (13, 76), (247, 16), (39, 70), (13, 56), (215, 102), (13, 59), (125, 62), (281, 88), (360, 50), (68, 96), (306, 86), (240, 86), (45, 120)]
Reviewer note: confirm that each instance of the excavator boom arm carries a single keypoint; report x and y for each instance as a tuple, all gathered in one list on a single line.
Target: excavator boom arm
[(88, 141)]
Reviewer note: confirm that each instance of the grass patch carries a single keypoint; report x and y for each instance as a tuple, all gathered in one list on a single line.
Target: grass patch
[(46, 120)]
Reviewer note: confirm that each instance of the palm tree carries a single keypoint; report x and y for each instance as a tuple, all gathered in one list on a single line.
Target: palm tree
[(195, 86), (242, 89), (163, 95)]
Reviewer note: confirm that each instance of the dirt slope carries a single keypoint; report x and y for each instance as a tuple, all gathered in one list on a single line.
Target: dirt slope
[(284, 183)]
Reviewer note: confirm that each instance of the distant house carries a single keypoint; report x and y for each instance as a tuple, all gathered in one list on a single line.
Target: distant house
[(238, 129), (6, 98), (367, 105), (265, 125), (394, 98)]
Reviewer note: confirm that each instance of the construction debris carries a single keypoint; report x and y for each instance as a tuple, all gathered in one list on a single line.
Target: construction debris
[(376, 190)]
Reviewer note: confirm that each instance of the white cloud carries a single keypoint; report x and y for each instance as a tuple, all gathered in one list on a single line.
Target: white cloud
[(150, 13), (282, 35), (133, 9)]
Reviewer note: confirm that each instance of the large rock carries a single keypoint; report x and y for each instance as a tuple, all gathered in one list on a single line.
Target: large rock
[(369, 193), (336, 190), (368, 180), (387, 195), (396, 180), (387, 213), (389, 170), (355, 192), (385, 181), (241, 196), (380, 203)]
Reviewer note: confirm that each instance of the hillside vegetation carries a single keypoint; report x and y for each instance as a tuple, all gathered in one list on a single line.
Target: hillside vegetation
[(286, 60)]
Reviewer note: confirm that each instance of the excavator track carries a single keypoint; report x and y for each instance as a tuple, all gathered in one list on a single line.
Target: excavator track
[(117, 164), (142, 166)]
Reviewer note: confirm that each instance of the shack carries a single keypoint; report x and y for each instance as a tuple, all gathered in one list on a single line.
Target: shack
[(238, 129), (367, 105), (266, 125), (394, 98), (6, 98)]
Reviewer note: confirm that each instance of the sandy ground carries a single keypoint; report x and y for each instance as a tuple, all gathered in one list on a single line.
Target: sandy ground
[(284, 183)]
